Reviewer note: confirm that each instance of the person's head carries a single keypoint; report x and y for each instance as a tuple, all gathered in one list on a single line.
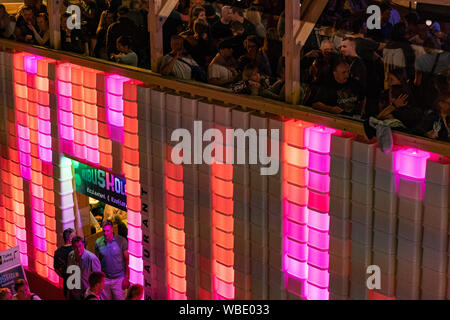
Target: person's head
[(78, 245), (227, 14), (398, 82), (68, 235), (22, 290), (225, 48), (210, 12), (108, 230), (42, 21), (123, 11), (251, 44), (250, 72), (135, 292), (176, 43), (27, 14), (64, 17), (443, 104), (348, 47), (97, 282), (237, 28), (327, 47), (5, 294), (200, 27), (124, 43), (135, 4), (237, 14), (254, 17), (341, 72), (198, 13)]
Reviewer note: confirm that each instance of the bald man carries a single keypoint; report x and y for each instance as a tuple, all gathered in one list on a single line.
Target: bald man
[(222, 29)]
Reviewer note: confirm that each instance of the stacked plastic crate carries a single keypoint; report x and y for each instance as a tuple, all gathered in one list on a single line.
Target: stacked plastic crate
[(4, 73), (222, 221), (435, 232), (363, 157), (340, 225)]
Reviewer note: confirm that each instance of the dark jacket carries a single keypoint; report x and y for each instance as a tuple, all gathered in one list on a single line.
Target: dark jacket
[(123, 27)]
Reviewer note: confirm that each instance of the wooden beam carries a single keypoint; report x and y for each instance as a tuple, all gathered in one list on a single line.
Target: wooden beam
[(214, 93), (291, 51), (158, 12), (309, 19), (54, 17)]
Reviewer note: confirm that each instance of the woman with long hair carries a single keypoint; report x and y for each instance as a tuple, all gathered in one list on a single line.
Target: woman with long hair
[(43, 36), (106, 19)]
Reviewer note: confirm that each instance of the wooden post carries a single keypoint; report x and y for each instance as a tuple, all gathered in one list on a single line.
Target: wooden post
[(298, 26), (158, 12), (291, 51), (53, 8)]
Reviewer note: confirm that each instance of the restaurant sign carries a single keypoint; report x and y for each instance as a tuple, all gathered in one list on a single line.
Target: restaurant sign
[(100, 185)]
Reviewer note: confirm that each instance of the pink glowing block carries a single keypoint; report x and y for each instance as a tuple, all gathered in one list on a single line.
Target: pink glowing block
[(136, 277), (134, 233), (37, 204), (295, 212), (318, 220), (114, 84), (91, 140), (133, 217), (79, 151), (319, 162), (25, 172), (298, 269), (318, 277), (30, 63), (225, 289), (24, 145), (40, 243), (92, 155), (175, 295), (411, 163), (43, 112), (45, 154), (45, 140), (318, 239), (320, 139), (37, 191), (64, 72), (114, 102), (38, 217), (25, 158), (316, 293), (297, 250), (65, 103), (23, 132), (24, 259), (296, 231), (66, 118), (319, 182), (318, 258), (53, 276), (21, 234), (44, 126), (136, 263), (115, 118), (66, 133), (135, 248), (65, 88)]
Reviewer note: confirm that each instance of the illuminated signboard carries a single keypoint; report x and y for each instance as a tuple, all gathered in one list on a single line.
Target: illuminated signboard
[(100, 185)]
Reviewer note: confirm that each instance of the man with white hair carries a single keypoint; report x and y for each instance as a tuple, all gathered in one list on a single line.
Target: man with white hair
[(222, 29)]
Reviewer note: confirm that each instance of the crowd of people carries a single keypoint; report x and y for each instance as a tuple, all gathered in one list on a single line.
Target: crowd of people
[(396, 76)]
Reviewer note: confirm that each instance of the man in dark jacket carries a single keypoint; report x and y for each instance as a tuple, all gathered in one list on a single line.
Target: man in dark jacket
[(123, 27)]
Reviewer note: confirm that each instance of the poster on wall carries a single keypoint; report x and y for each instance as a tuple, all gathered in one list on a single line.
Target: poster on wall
[(100, 185), (10, 268)]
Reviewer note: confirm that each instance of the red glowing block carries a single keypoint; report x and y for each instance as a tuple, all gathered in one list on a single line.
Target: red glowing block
[(295, 133), (175, 282), (176, 267), (319, 201), (223, 272), (175, 235), (224, 205), (224, 289), (224, 239), (295, 194), (222, 187), (225, 256), (174, 219), (223, 222), (175, 251)]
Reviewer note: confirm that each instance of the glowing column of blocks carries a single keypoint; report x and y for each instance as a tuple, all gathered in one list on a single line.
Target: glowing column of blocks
[(89, 96), (65, 110), (295, 207), (175, 238), (384, 224), (241, 213), (318, 212), (222, 212), (36, 204), (435, 232), (20, 158), (277, 285), (114, 105), (411, 189), (104, 141), (145, 166), (188, 110), (205, 113), (158, 135), (363, 156), (130, 168), (340, 227), (80, 95), (259, 236)]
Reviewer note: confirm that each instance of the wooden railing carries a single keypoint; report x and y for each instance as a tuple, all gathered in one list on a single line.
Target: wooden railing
[(215, 94)]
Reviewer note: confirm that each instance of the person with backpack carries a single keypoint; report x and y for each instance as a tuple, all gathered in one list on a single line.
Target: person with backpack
[(96, 285)]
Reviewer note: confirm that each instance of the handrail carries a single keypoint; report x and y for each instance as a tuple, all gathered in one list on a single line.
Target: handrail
[(217, 94)]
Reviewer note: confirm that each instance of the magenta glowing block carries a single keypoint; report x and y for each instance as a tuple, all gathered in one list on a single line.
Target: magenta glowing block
[(30, 63), (65, 103), (115, 118), (38, 217), (45, 155), (295, 212), (319, 182), (318, 220), (65, 88), (25, 172), (320, 139), (135, 247), (134, 233), (44, 127), (114, 84), (92, 155), (66, 132), (23, 132), (21, 234), (319, 201), (295, 249), (318, 258), (24, 259), (43, 112), (318, 277), (24, 145), (175, 295), (319, 162), (79, 151), (114, 102), (136, 277), (296, 231), (224, 289), (45, 140), (411, 163), (318, 239), (298, 269), (136, 263), (316, 293)]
